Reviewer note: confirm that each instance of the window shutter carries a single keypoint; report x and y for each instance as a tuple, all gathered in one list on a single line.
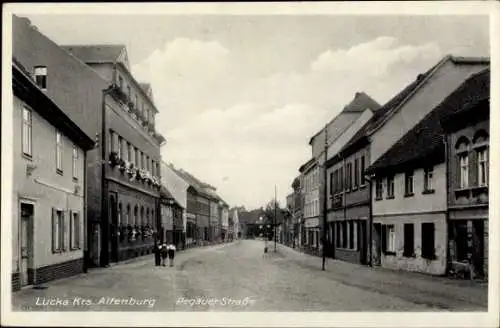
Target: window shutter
[(64, 237), (77, 231), (71, 229), (384, 238), (54, 230)]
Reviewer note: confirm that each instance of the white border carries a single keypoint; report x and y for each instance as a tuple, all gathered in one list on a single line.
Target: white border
[(322, 319)]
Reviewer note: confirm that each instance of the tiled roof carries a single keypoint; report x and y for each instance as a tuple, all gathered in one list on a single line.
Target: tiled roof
[(426, 138), (387, 110), (98, 53)]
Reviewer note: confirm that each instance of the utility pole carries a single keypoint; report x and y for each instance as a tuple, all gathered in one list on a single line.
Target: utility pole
[(325, 180), (275, 201)]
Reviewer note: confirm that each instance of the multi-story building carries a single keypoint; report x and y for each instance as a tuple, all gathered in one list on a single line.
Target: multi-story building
[(297, 215), (74, 86), (311, 222), (48, 191), (401, 114), (314, 170), (178, 189), (131, 146), (224, 220), (170, 229), (467, 144), (347, 209)]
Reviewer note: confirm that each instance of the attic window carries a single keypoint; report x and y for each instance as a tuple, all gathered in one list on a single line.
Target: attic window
[(40, 73)]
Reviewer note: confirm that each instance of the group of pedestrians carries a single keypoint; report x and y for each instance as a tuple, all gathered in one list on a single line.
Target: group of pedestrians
[(162, 251)]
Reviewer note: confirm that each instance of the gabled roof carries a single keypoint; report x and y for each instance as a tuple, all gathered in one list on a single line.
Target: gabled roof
[(358, 105), (307, 165), (96, 53), (196, 184), (425, 141), (394, 104), (165, 194), (145, 86), (26, 89)]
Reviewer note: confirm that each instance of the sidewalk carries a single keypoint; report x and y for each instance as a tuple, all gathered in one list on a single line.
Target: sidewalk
[(413, 286)]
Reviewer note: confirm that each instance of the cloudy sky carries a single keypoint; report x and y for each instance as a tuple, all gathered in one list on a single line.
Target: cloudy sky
[(240, 96)]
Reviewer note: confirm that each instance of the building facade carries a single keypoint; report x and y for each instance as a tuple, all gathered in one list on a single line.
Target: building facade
[(131, 145), (297, 215), (311, 211), (467, 140), (348, 198), (177, 187), (48, 191), (170, 230)]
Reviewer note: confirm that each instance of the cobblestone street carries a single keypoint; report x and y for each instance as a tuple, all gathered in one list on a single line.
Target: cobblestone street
[(238, 277)]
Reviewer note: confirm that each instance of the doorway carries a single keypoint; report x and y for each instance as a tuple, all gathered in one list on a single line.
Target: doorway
[(26, 242), (112, 236), (362, 243), (377, 244)]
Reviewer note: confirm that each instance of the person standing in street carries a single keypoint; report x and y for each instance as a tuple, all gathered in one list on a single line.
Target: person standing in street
[(163, 253), (157, 253), (171, 254)]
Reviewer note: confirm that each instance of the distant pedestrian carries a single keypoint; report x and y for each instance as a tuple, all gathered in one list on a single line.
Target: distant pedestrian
[(157, 253), (163, 253), (171, 254)]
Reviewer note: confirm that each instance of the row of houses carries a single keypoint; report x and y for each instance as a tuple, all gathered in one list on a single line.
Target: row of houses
[(402, 185), (89, 184)]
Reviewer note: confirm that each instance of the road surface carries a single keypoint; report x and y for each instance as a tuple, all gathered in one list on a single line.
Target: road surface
[(238, 277)]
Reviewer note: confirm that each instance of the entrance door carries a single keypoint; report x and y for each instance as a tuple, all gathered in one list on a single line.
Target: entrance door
[(113, 237), (26, 242), (377, 244), (362, 241)]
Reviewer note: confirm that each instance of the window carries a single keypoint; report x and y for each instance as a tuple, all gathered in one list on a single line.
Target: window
[(27, 131), (428, 179), (348, 177), (332, 174), (137, 157), (59, 165), (129, 93), (390, 186), (409, 183), (351, 234), (464, 171), (363, 171), (119, 147), (75, 230), (132, 154), (136, 102), (409, 241), (388, 239), (120, 82), (338, 234), (41, 77), (75, 163), (356, 173), (57, 230), (344, 234), (379, 189), (428, 241), (129, 150), (341, 179), (482, 169)]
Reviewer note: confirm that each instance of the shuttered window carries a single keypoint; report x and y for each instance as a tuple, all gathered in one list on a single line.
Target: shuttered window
[(58, 231)]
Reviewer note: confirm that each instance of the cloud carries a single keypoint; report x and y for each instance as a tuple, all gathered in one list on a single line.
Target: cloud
[(244, 134)]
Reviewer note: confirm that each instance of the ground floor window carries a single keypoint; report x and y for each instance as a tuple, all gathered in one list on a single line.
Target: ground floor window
[(58, 230), (388, 239), (75, 230)]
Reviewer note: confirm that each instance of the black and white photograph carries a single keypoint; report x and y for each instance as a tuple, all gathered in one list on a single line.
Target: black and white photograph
[(280, 164)]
